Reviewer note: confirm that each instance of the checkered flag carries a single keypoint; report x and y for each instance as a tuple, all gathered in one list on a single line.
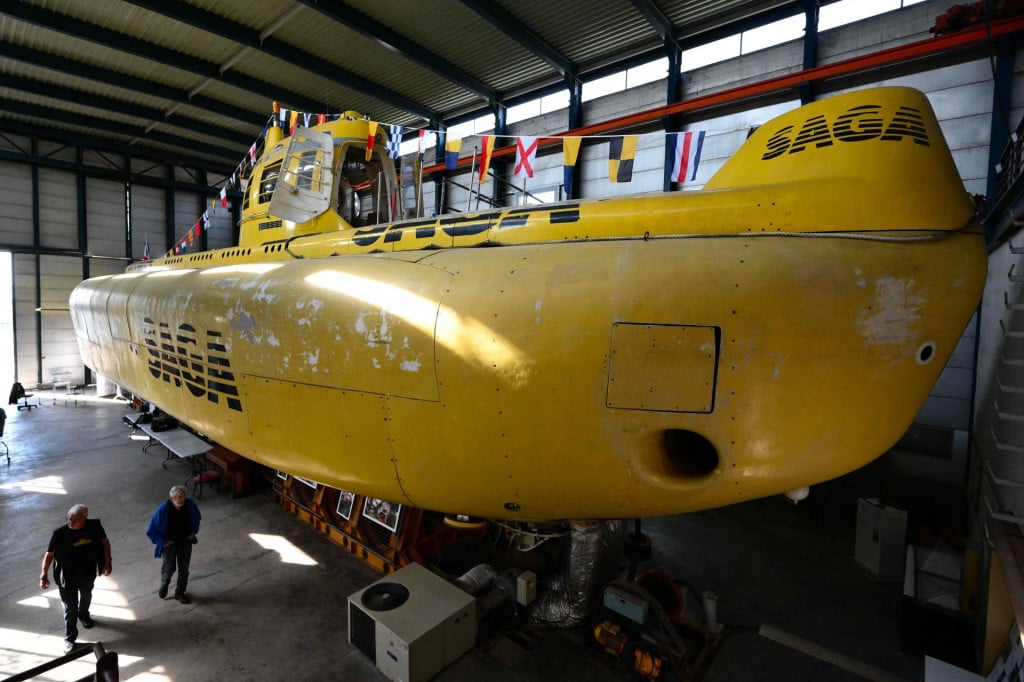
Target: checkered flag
[(394, 141)]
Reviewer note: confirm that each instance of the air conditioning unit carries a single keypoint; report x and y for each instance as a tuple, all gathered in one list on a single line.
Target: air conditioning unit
[(412, 624)]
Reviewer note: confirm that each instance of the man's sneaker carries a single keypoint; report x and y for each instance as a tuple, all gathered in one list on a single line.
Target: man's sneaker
[(68, 646), (163, 592), (183, 598), (87, 621)]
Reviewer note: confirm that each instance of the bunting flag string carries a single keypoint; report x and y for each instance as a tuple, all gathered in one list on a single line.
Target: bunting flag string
[(687, 148)]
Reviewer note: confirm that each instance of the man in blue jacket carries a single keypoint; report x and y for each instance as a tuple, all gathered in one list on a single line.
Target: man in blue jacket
[(173, 530)]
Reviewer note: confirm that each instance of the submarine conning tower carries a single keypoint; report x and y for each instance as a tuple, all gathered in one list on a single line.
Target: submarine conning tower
[(327, 178)]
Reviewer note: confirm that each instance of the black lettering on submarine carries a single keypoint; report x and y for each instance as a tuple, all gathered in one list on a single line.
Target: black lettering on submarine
[(462, 226), (176, 358), (858, 124)]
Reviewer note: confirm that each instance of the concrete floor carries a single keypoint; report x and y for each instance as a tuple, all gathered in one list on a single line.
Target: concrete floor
[(269, 593)]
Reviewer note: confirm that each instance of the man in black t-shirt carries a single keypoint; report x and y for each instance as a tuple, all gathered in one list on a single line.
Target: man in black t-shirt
[(78, 552)]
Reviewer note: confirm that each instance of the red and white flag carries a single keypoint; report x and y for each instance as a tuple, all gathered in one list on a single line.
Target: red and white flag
[(526, 154)]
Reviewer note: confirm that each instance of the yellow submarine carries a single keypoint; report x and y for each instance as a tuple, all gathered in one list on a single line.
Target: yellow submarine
[(593, 359)]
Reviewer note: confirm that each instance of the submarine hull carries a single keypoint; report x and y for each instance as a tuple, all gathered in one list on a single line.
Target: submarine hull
[(617, 358), (701, 372)]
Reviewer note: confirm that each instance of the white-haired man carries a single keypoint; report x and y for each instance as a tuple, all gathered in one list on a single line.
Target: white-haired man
[(173, 530), (78, 551)]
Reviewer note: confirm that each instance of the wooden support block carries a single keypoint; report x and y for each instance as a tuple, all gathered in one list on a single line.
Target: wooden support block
[(237, 470)]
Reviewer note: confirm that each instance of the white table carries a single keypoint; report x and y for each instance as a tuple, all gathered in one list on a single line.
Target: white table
[(66, 385), (132, 420), (178, 442)]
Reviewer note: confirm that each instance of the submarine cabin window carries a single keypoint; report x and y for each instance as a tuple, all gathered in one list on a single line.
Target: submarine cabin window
[(268, 182), (360, 182), (304, 168)]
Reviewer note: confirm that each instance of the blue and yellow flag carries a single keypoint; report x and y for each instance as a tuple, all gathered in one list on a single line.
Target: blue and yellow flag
[(570, 151), (621, 152), (451, 152)]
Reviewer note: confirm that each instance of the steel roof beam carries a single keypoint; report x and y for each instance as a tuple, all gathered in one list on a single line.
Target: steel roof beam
[(201, 67), (98, 144), (254, 39), (96, 123), (117, 79), (519, 32), (657, 19), (111, 104), (394, 41)]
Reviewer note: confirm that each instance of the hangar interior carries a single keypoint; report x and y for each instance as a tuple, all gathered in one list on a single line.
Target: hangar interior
[(127, 128)]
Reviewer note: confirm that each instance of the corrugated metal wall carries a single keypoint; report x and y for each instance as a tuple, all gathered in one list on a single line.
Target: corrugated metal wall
[(48, 262)]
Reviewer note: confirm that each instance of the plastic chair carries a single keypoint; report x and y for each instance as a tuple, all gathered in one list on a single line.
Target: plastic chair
[(203, 477)]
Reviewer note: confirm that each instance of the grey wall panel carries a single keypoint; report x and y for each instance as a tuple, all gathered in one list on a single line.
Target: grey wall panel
[(770, 62), (618, 104), (106, 266), (148, 221), (946, 412), (963, 90), (60, 357), (954, 382), (105, 217), (973, 167), (26, 319), (16, 207), (188, 208), (968, 132), (58, 209), (963, 353), (216, 226), (60, 274), (879, 32), (220, 235)]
